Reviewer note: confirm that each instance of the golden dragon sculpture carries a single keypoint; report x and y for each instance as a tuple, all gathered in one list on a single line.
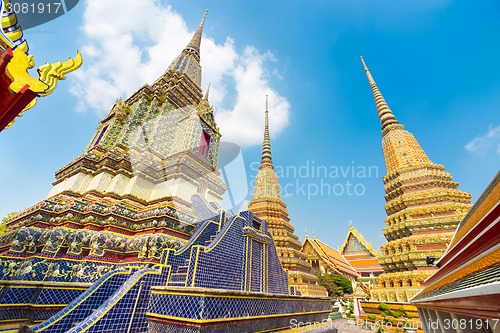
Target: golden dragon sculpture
[(17, 69)]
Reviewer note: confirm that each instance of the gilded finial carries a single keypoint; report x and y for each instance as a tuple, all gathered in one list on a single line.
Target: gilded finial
[(385, 114), (349, 223), (205, 98), (195, 42), (266, 148), (188, 61), (11, 34)]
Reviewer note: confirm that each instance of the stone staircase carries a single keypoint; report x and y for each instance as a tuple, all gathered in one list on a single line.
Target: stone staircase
[(117, 304), (179, 278)]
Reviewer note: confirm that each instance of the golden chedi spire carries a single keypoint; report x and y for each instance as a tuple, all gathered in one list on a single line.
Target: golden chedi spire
[(423, 206), (267, 205), (401, 149), (266, 183), (385, 114), (267, 160)]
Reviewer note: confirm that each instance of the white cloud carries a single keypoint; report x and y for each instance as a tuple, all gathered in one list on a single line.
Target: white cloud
[(483, 144), (129, 43)]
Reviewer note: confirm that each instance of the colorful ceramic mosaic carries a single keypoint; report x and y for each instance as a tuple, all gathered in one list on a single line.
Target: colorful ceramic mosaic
[(228, 272), (125, 199), (139, 209)]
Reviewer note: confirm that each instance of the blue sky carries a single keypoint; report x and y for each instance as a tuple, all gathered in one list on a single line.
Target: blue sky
[(434, 62)]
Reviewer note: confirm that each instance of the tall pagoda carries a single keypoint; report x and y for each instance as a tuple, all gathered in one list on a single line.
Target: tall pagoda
[(423, 206), (267, 205), (136, 212), (161, 144), (126, 199), (127, 196)]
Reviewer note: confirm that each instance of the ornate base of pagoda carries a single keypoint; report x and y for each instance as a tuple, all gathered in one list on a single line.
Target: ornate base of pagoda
[(399, 287), (307, 289)]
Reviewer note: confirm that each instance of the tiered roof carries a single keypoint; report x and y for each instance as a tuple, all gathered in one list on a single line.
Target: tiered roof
[(331, 257), (468, 279), (359, 253)]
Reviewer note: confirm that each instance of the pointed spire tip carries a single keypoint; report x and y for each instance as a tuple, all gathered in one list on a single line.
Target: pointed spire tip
[(364, 64), (204, 16), (266, 147), (207, 92), (385, 114)]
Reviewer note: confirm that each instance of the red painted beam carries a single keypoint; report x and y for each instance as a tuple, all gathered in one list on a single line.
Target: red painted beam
[(11, 103), (472, 248)]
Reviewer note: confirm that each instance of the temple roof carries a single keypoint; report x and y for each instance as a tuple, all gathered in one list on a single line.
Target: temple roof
[(331, 256), (20, 90), (468, 279), (355, 242)]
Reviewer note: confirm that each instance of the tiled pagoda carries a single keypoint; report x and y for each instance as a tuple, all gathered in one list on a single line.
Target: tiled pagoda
[(126, 198), (159, 145), (132, 238), (267, 205), (148, 156), (423, 206)]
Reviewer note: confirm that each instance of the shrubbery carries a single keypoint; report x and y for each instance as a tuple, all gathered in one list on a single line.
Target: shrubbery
[(383, 307), (395, 314), (336, 284)]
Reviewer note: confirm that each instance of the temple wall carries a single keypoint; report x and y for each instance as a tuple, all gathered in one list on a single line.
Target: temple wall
[(100, 182), (139, 187), (118, 184)]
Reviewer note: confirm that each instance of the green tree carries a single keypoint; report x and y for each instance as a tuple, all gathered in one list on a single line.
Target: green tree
[(4, 220), (336, 284)]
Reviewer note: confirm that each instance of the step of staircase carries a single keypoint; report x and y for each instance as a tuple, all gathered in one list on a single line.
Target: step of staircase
[(182, 269), (176, 284), (178, 277)]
